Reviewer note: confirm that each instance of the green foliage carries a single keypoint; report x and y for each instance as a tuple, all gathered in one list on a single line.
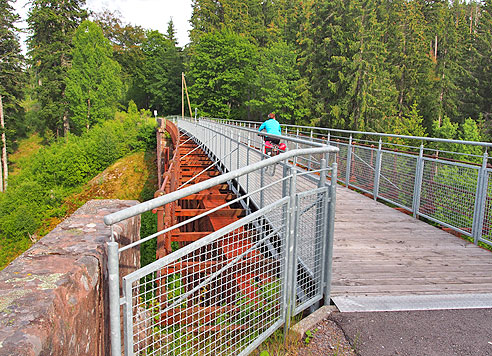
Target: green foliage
[(93, 84), (52, 24), (160, 74), (278, 84), (12, 77), (222, 69), (51, 174)]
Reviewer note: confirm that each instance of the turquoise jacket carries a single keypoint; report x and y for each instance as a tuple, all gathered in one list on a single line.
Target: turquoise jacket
[(271, 126)]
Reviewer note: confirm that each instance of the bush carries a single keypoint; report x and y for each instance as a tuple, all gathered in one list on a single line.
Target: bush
[(55, 171)]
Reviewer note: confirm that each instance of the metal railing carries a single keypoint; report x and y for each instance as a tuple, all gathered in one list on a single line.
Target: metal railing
[(227, 292), (445, 181)]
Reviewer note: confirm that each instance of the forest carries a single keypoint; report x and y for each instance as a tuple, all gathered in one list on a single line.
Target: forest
[(415, 67)]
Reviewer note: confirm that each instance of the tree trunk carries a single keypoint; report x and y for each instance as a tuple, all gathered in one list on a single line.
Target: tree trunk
[(88, 112), (66, 125), (4, 149)]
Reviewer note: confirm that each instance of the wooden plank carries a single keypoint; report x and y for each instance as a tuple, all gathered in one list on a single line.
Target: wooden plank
[(381, 251)]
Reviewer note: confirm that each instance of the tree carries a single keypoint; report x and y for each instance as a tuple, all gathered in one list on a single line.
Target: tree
[(483, 64), (127, 43), (93, 85), (408, 55), (277, 85), (12, 80), (52, 24), (222, 69), (344, 57), (160, 74)]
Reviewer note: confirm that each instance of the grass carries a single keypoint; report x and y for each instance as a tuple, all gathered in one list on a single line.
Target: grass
[(125, 180), (27, 147), (131, 178), (278, 345)]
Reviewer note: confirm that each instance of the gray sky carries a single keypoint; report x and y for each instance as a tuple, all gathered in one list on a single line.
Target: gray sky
[(149, 14)]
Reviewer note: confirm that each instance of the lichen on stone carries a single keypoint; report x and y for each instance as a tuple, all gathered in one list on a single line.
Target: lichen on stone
[(47, 281), (8, 298)]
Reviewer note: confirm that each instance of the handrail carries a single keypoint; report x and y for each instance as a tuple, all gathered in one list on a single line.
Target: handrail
[(179, 194), (379, 134)]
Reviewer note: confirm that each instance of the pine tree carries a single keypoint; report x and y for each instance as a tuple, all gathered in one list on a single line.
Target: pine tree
[(483, 64), (12, 80), (93, 84), (344, 59), (52, 24), (408, 55)]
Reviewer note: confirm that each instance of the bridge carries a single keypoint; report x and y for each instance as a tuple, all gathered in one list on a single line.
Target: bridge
[(246, 242)]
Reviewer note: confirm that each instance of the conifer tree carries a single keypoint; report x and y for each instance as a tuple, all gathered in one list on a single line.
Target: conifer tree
[(127, 43), (12, 80), (344, 59), (93, 84), (483, 64), (52, 24)]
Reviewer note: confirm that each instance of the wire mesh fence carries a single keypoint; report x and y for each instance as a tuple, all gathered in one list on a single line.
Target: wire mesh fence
[(310, 247), (397, 180), (216, 297), (228, 291), (487, 210), (439, 179), (448, 194)]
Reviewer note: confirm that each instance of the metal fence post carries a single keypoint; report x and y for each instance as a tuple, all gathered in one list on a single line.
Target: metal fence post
[(262, 183), (310, 156), (349, 163), (114, 296), (480, 197), (417, 186), (238, 156), (321, 223), (291, 263), (377, 171), (330, 234)]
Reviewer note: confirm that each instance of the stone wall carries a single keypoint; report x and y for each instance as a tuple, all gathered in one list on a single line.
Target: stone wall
[(54, 298)]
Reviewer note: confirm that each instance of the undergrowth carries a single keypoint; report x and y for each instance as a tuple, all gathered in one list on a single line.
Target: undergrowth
[(38, 191)]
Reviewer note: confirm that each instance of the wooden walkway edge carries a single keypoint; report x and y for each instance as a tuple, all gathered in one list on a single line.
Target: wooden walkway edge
[(379, 251)]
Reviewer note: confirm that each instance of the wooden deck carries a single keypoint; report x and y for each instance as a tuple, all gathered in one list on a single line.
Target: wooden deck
[(379, 251)]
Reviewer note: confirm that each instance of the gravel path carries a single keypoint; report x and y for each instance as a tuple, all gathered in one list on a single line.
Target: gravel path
[(328, 339)]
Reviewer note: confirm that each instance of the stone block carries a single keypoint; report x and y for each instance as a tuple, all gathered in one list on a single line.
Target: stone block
[(54, 298)]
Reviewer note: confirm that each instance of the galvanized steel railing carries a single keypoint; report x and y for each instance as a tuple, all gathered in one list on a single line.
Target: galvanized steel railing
[(193, 302), (445, 181)]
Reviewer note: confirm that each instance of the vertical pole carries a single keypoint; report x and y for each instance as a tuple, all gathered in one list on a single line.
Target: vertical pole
[(262, 183), (182, 96), (238, 146), (114, 296), (290, 252), (377, 171), (349, 163), (321, 226), (330, 234), (310, 156), (417, 187), (480, 197), (297, 147), (247, 164)]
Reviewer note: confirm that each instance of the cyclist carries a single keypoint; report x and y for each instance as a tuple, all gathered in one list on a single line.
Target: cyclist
[(271, 126)]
